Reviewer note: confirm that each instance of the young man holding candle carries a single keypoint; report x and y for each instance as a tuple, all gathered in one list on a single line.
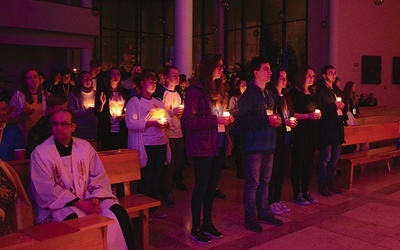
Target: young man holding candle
[(172, 101), (258, 135), (331, 131)]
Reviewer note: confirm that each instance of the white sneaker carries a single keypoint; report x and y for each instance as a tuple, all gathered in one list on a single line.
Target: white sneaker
[(282, 206), (274, 209)]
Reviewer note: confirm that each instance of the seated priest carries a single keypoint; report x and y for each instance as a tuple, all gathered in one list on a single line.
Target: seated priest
[(68, 181)]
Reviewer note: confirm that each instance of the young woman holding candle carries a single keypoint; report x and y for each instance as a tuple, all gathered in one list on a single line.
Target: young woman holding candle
[(304, 135), (282, 153), (81, 105), (28, 103), (109, 106), (147, 120), (202, 117)]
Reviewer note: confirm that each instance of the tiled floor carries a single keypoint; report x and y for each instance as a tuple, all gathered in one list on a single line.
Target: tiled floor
[(364, 217)]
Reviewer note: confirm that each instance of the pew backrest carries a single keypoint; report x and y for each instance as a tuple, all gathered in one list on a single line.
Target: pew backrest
[(371, 132)]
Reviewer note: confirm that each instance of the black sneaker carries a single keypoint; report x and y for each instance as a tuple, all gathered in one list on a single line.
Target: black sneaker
[(253, 224), (199, 236), (169, 200), (219, 194), (270, 219), (298, 198), (310, 198), (212, 232)]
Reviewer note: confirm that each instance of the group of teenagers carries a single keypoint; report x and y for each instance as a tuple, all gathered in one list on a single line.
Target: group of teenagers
[(273, 125)]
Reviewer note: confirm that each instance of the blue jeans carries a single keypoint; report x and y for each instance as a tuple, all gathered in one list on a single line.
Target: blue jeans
[(258, 169), (328, 157)]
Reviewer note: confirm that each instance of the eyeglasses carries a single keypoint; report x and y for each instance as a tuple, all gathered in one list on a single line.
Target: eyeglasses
[(62, 124)]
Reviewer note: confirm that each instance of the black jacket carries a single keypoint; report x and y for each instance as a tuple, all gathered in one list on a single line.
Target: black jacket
[(330, 126)]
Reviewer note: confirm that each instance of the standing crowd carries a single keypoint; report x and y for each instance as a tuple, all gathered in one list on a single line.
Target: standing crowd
[(268, 125)]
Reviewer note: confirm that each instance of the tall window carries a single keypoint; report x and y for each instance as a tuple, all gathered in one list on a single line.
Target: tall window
[(272, 29), (135, 31)]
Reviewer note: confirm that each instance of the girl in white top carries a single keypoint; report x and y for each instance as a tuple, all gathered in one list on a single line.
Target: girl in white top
[(28, 103), (147, 120)]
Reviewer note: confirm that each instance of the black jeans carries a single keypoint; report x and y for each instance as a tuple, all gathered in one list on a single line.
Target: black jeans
[(282, 158), (302, 162), (177, 155), (207, 172), (149, 183)]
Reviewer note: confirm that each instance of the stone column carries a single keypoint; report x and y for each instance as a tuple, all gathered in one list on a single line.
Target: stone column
[(184, 36), (86, 53)]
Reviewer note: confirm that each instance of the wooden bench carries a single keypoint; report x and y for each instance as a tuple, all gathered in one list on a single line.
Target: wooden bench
[(367, 134), (378, 110), (89, 233), (122, 166), (378, 119)]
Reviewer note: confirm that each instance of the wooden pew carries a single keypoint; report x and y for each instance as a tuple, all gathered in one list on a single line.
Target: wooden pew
[(367, 134), (378, 119), (378, 111), (88, 233), (378, 114), (122, 166)]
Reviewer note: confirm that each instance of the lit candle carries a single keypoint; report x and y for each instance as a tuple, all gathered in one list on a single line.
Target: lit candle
[(225, 113), (181, 106), (317, 111), (292, 119), (163, 120), (270, 112), (338, 99), (118, 112)]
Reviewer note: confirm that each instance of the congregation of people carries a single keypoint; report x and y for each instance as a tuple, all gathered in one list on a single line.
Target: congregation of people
[(267, 124)]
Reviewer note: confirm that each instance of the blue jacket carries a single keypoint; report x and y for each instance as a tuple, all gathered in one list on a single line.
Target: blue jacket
[(256, 133)]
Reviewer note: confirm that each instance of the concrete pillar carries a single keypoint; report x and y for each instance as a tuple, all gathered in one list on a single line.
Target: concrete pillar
[(334, 34), (184, 36), (86, 57), (86, 54)]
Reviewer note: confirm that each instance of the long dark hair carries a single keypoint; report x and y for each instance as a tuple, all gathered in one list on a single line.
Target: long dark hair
[(272, 87), (25, 90), (301, 79), (215, 89), (108, 87), (349, 95), (78, 88)]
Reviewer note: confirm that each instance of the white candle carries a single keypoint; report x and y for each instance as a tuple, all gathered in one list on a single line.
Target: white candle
[(225, 113), (163, 120), (181, 106), (317, 111), (292, 119), (338, 99)]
